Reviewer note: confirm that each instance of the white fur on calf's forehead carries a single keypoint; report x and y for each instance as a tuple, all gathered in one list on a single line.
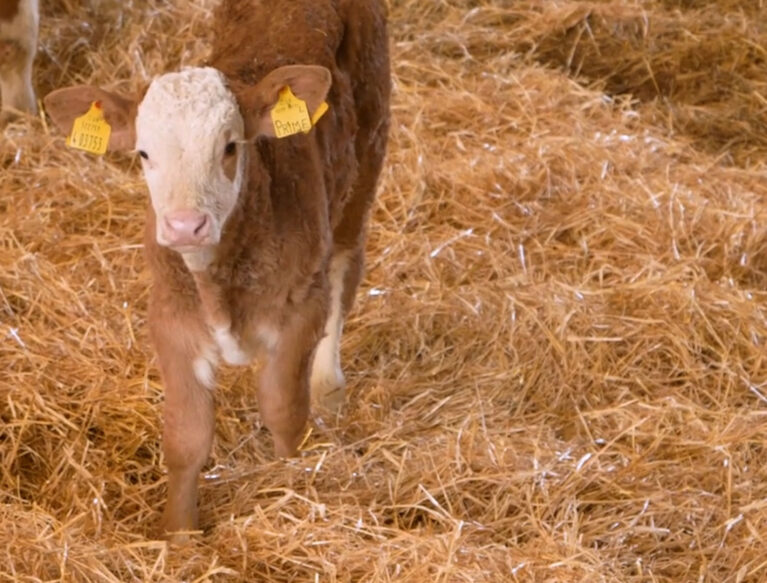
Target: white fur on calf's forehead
[(194, 104), (181, 124)]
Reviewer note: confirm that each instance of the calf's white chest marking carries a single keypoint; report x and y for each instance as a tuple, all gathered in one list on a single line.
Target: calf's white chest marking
[(229, 347)]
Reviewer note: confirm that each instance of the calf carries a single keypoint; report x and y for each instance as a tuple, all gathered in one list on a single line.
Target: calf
[(19, 21), (255, 243)]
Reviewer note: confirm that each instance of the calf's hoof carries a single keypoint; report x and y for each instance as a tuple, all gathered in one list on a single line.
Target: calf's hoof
[(328, 394)]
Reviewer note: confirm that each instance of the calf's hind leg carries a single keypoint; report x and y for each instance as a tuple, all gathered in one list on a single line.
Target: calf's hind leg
[(347, 261), (327, 378)]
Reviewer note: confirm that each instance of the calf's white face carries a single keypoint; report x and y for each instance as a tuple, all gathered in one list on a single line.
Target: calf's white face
[(190, 134)]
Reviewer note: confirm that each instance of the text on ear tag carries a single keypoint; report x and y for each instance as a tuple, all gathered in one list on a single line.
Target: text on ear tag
[(90, 132), (290, 115)]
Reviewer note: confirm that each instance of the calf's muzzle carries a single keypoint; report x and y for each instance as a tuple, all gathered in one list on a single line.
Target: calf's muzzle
[(185, 228)]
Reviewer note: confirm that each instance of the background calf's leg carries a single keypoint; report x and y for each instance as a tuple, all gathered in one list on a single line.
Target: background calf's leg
[(16, 78), (18, 45)]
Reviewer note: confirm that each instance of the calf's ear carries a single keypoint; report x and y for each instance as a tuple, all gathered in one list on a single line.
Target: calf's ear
[(309, 83), (65, 105)]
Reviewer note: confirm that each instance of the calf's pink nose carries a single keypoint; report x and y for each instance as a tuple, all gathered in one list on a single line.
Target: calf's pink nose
[(185, 227)]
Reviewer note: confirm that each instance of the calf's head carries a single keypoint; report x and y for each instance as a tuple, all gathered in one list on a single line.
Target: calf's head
[(191, 133)]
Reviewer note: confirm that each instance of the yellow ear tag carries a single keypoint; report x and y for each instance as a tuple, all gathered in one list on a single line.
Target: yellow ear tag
[(90, 132), (290, 115)]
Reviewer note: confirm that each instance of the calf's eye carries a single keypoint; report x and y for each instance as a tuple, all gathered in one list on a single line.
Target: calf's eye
[(143, 154), (230, 149)]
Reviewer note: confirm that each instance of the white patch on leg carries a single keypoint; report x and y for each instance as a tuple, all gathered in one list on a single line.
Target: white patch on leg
[(229, 347), (327, 379), (204, 367), (268, 336)]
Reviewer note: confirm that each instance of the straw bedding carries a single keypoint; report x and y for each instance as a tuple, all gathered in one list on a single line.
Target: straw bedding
[(556, 361)]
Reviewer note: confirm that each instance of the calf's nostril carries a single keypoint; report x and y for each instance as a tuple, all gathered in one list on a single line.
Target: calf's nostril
[(202, 228)]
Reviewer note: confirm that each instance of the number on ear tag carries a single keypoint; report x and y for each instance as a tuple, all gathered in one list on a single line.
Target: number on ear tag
[(90, 132)]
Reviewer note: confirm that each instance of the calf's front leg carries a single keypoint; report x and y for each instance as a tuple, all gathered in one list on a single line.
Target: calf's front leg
[(283, 392), (283, 398), (187, 373)]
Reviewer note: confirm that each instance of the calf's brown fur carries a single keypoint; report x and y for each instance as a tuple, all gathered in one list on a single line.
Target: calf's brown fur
[(8, 9), (303, 207)]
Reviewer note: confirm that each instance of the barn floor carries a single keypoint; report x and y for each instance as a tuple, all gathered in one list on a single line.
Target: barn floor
[(557, 367)]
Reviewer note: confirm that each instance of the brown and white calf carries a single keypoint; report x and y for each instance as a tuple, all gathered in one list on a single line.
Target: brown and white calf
[(255, 243), (19, 22)]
